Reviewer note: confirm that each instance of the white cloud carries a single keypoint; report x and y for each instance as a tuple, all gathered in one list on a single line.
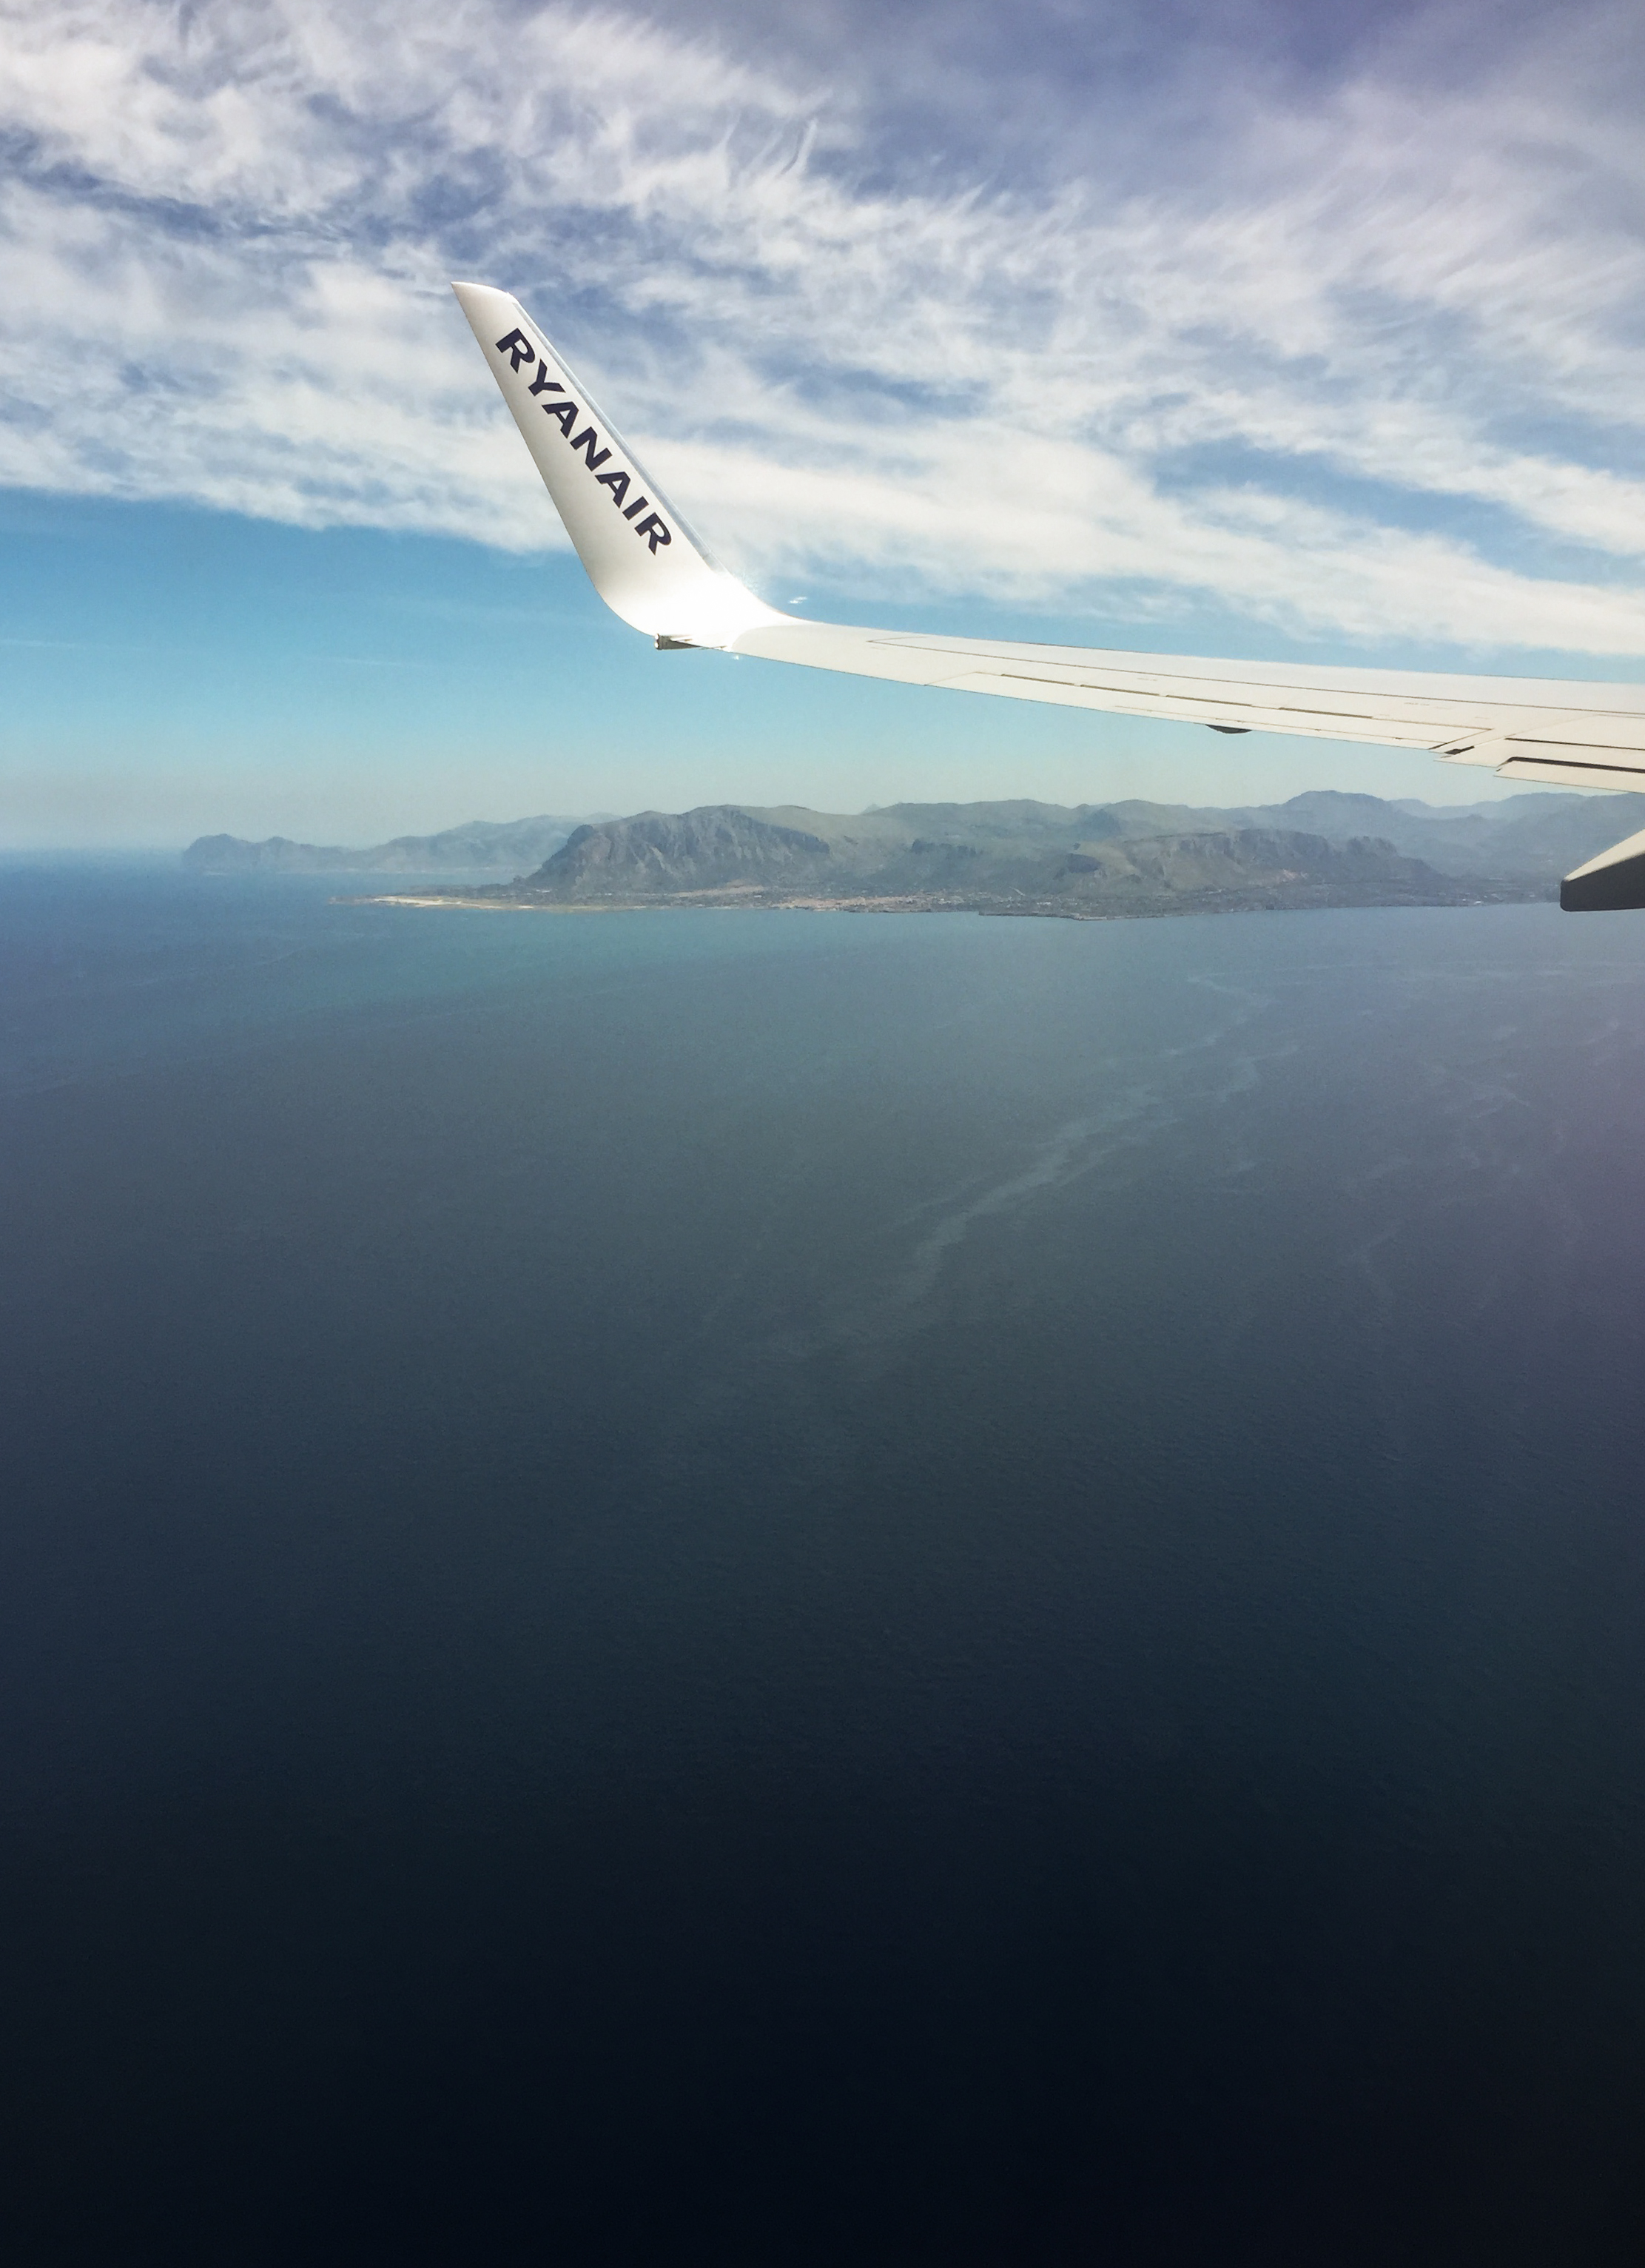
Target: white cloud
[(1373, 371)]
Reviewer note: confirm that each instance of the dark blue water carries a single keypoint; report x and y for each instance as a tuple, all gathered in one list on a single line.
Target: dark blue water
[(785, 1587)]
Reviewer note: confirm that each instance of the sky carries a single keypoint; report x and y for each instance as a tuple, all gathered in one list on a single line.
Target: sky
[(1263, 329)]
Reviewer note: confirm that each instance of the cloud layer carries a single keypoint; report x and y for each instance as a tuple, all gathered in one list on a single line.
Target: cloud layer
[(1359, 355)]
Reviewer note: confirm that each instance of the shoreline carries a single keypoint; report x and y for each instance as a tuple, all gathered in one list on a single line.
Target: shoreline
[(1156, 910)]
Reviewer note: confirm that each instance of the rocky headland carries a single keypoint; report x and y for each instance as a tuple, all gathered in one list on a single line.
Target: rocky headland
[(1105, 860)]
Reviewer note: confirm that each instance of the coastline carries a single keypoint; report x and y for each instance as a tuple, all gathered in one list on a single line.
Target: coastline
[(1155, 908)]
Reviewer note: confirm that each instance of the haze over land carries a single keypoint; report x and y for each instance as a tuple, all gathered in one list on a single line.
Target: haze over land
[(481, 846), (1020, 856)]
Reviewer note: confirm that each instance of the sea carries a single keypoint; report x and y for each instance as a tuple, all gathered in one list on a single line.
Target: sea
[(805, 1588)]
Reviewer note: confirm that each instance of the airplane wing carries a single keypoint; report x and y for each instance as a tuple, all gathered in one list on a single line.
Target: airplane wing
[(652, 570)]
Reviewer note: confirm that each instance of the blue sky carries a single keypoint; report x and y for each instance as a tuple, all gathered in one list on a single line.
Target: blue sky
[(1236, 331)]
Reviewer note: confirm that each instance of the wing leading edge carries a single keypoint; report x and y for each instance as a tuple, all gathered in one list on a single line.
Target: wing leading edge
[(650, 568)]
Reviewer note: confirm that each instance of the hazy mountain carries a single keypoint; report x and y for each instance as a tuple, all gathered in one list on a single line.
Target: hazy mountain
[(1536, 837), (1512, 847), (662, 854), (512, 846), (1017, 857), (1322, 848)]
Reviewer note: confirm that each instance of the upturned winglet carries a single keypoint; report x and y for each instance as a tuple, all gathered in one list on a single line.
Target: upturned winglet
[(641, 557)]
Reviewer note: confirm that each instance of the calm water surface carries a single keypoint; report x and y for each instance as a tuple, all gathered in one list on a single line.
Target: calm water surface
[(695, 1587)]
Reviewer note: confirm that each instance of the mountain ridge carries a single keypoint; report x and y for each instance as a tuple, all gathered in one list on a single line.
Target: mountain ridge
[(1068, 862), (1325, 847), (479, 846)]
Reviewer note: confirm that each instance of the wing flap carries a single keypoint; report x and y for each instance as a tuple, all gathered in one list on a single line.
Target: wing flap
[(1615, 774)]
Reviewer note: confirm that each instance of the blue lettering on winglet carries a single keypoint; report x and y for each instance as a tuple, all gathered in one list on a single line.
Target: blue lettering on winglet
[(520, 352)]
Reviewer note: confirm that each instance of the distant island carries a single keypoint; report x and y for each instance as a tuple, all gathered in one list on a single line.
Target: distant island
[(1087, 860)]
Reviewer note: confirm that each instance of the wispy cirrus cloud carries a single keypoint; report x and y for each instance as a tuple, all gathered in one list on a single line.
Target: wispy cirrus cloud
[(1357, 356)]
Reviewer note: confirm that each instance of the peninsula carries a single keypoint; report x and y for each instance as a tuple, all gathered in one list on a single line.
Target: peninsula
[(1088, 860)]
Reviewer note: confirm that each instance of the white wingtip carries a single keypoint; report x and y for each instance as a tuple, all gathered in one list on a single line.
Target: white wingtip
[(641, 557)]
